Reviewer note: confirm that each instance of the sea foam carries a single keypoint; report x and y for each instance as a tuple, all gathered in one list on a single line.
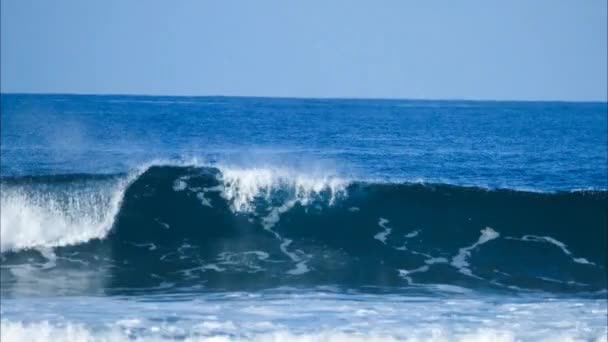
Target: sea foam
[(45, 331), (34, 219), (242, 186)]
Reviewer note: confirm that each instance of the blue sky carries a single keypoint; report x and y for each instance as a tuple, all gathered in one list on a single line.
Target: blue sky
[(521, 49)]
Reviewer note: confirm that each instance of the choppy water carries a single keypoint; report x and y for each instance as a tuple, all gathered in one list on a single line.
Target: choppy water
[(160, 218)]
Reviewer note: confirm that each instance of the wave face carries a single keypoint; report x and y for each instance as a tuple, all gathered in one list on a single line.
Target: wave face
[(207, 228)]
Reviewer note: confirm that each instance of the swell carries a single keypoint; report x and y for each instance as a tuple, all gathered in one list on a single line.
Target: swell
[(202, 227)]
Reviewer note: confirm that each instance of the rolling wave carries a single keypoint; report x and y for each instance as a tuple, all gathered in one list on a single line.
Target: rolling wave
[(225, 228)]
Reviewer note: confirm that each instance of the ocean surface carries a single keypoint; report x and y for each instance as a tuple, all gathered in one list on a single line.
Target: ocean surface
[(145, 218)]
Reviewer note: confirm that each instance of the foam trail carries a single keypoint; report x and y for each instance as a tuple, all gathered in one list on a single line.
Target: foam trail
[(268, 223), (412, 234), (460, 260), (559, 244), (428, 263), (385, 233)]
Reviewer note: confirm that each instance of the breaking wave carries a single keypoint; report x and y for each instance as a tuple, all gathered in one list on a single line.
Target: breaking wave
[(233, 228)]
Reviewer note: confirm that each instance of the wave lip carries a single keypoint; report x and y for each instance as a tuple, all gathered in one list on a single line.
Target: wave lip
[(241, 186), (61, 210), (37, 219)]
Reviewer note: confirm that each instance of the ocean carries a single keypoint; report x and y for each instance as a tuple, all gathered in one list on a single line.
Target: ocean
[(152, 218)]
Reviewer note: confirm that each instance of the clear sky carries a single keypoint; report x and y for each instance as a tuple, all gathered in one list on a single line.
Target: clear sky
[(521, 49)]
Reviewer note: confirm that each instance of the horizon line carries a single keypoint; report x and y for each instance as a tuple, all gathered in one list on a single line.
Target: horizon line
[(309, 97)]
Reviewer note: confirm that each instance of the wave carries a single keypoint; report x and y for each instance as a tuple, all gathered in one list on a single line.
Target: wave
[(224, 228), (52, 211), (60, 210)]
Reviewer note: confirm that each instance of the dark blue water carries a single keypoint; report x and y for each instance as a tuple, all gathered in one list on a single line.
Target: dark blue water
[(532, 145), (191, 218)]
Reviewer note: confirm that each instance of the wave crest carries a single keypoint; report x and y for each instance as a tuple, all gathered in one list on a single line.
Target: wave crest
[(243, 186), (43, 216)]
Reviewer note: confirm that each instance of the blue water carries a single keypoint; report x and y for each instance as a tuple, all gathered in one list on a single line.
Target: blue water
[(533, 145), (224, 218)]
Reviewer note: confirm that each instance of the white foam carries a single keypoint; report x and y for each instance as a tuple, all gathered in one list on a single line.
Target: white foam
[(300, 267), (34, 218), (213, 267), (555, 242), (381, 236), (39, 219), (404, 273), (242, 186), (269, 221), (412, 234), (204, 200), (164, 224), (179, 184), (149, 246), (432, 261), (460, 260), (214, 331), (288, 314), (44, 331)]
